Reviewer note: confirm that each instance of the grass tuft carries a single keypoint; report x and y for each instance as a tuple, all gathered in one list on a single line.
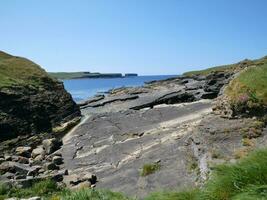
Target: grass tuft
[(172, 195), (150, 169)]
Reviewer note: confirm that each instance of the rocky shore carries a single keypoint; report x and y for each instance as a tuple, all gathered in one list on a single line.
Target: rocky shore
[(173, 123), (165, 135)]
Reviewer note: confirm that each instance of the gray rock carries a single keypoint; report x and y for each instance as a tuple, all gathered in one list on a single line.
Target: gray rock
[(75, 179), (20, 176), (14, 167), (8, 158), (51, 145), (58, 160), (39, 151), (24, 151), (92, 100), (38, 159), (9, 175), (82, 185), (20, 159), (2, 160), (50, 166), (34, 171)]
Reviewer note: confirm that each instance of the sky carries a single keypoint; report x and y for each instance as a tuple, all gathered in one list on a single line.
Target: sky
[(148, 37)]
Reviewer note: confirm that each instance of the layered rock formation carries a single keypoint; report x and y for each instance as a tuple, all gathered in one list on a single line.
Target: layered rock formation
[(30, 100)]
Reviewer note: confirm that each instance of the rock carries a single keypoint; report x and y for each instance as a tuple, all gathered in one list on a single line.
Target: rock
[(5, 167), (82, 185), (33, 198), (8, 158), (71, 180), (2, 160), (51, 145), (34, 171), (41, 171), (9, 175), (38, 159), (20, 176), (75, 179), (57, 177), (50, 166), (92, 100), (64, 172), (38, 151), (57, 160), (14, 167), (24, 151), (20, 159)]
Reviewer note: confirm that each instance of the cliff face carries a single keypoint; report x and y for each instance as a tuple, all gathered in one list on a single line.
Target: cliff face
[(30, 100)]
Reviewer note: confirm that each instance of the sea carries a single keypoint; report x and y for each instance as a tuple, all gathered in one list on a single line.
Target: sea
[(82, 89)]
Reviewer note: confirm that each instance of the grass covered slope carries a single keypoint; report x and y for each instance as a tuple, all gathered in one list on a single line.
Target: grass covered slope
[(19, 71), (249, 89)]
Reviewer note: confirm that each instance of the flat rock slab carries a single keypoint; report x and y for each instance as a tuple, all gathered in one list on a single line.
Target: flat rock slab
[(116, 145), (126, 102)]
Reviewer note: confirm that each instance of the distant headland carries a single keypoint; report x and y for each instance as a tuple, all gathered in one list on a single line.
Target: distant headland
[(77, 75)]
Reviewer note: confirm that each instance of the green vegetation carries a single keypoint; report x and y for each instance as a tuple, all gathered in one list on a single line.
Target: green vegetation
[(45, 188), (239, 181), (150, 169), (172, 195), (49, 190), (212, 69), (17, 71), (249, 89)]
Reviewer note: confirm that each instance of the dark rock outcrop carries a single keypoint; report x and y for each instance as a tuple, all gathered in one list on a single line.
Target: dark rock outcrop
[(30, 100)]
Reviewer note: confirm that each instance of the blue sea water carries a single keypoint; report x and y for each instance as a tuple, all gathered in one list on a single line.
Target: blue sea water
[(82, 89)]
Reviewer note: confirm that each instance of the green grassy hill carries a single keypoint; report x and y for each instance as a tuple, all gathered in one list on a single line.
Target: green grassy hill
[(17, 71), (250, 86)]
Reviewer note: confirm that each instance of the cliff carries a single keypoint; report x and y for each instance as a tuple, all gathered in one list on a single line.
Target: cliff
[(30, 100)]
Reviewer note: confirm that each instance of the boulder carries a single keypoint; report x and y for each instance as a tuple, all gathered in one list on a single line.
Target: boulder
[(50, 166), (20, 159), (51, 145), (74, 179), (82, 185), (38, 151), (34, 171), (8, 158), (24, 151), (14, 167), (9, 175), (58, 160), (2, 160)]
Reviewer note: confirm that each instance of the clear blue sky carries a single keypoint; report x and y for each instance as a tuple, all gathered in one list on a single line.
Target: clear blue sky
[(143, 36)]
